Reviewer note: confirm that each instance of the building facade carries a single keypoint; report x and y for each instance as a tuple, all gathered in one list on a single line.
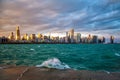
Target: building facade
[(18, 33), (77, 37), (11, 37), (111, 39), (71, 35)]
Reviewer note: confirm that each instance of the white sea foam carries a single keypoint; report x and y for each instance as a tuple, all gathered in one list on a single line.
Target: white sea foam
[(32, 49), (117, 54), (54, 63), (107, 72), (38, 46)]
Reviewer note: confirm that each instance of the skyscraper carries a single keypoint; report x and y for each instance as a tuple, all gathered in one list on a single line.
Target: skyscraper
[(26, 37), (95, 39), (77, 37), (89, 40), (39, 36), (66, 38), (103, 39), (17, 33), (33, 37), (111, 39), (71, 35), (11, 37)]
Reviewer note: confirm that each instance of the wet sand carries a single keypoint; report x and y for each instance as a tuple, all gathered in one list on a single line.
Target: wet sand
[(34, 73)]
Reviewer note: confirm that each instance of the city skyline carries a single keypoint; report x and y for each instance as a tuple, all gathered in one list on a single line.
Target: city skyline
[(70, 36), (98, 17)]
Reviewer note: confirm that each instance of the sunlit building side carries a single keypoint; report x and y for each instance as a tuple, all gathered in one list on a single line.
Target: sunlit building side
[(33, 37), (18, 33), (68, 37), (11, 37), (71, 35)]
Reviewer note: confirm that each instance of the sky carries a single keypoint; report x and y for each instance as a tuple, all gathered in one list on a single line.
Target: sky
[(98, 17)]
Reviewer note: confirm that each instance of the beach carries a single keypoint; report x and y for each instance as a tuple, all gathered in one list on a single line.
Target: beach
[(35, 73)]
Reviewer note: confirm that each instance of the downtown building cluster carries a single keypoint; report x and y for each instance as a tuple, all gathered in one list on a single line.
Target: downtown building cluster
[(70, 37)]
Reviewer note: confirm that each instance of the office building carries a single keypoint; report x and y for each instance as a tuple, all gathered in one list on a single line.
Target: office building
[(39, 36), (3, 40), (111, 39), (18, 33), (32, 37), (66, 38), (71, 35), (95, 39), (26, 37), (77, 37), (103, 40), (0, 40), (89, 39), (11, 37)]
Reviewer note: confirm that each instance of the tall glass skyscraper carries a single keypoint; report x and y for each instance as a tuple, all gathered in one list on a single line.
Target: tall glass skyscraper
[(17, 33)]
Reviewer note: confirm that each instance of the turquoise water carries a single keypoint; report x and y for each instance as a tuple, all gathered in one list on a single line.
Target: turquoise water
[(77, 56)]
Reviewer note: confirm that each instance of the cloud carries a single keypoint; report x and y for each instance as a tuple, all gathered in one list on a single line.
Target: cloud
[(98, 16)]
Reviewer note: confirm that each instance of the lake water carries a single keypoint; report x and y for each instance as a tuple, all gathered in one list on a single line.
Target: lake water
[(77, 56)]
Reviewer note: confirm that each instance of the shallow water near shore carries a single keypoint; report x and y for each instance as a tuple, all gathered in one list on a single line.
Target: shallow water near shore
[(76, 56)]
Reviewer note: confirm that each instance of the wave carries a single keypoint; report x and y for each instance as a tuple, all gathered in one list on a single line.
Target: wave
[(38, 46), (107, 72), (54, 63), (117, 54), (32, 49)]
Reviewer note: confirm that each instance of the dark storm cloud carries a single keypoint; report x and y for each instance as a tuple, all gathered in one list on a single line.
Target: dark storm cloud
[(34, 16)]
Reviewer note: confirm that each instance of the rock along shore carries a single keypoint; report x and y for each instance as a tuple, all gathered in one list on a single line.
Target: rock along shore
[(34, 73)]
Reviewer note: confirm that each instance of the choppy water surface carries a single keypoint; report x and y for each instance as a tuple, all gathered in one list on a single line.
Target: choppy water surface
[(77, 56)]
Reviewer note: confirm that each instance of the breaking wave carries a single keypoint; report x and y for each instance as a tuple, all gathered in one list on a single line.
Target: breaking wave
[(117, 54), (54, 63), (32, 49)]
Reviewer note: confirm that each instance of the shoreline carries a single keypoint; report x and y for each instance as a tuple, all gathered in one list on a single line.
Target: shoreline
[(57, 43), (12, 72)]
